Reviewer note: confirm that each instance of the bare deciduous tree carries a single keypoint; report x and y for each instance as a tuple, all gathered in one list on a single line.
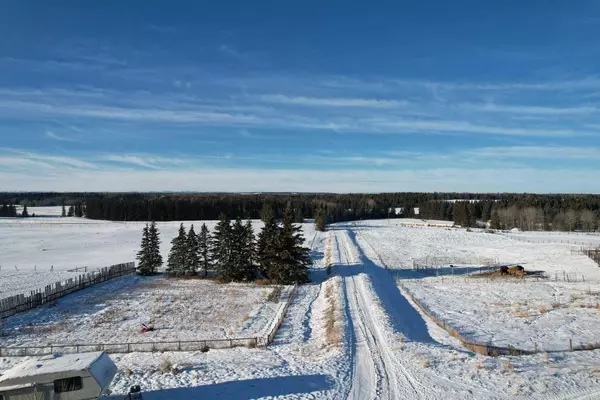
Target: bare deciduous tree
[(570, 219), (531, 217), (588, 220)]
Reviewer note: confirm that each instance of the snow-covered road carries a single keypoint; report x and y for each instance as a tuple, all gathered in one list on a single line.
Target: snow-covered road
[(375, 372)]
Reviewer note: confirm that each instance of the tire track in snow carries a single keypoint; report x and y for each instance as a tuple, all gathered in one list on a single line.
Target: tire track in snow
[(374, 375)]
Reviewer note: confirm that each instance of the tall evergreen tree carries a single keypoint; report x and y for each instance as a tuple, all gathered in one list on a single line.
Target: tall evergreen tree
[(298, 215), (266, 251), (251, 247), (176, 262), (222, 254), (64, 211), (495, 222), (192, 259), (149, 258), (204, 249), (24, 213), (266, 212), (71, 212), (156, 259), (292, 258), (241, 267)]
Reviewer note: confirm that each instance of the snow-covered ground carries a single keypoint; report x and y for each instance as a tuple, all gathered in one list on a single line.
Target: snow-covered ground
[(179, 310), (523, 314), (31, 247), (355, 335), (585, 239), (49, 211)]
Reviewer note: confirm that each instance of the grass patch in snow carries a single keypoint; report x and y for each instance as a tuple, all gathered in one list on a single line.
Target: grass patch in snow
[(179, 310)]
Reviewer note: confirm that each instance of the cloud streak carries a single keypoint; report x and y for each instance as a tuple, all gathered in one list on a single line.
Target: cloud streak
[(331, 102), (60, 138)]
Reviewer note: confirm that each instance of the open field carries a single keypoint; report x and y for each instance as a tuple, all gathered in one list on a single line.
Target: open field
[(522, 314), (351, 335), (37, 245), (114, 312)]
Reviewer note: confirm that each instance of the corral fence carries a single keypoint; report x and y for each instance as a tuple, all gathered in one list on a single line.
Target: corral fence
[(282, 312), (436, 262), (15, 304), (440, 266), (142, 347), (553, 241), (484, 348), (593, 253), (151, 347)]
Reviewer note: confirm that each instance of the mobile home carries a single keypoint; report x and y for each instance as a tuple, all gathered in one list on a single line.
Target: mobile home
[(83, 376)]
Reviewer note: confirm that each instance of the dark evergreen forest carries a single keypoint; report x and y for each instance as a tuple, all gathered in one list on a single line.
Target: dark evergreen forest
[(504, 210)]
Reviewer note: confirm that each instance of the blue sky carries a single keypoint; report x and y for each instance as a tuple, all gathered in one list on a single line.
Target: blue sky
[(300, 96)]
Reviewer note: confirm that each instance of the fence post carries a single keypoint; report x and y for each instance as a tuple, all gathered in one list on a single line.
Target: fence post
[(571, 344)]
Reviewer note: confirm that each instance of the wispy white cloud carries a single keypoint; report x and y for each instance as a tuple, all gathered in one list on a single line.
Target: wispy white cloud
[(524, 109), (467, 127), (146, 161), (20, 158), (332, 102), (60, 138), (537, 152)]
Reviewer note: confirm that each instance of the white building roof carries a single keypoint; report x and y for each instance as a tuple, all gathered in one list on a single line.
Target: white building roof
[(47, 365)]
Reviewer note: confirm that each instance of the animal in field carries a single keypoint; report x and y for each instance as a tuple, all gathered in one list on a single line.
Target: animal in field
[(503, 270), (517, 270)]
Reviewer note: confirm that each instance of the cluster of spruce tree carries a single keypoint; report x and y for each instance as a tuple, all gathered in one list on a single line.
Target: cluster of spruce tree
[(77, 210), (233, 252), (149, 257), (8, 211)]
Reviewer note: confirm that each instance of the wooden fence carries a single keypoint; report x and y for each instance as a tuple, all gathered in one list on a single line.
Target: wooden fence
[(142, 347), (280, 316), (19, 303), (479, 348), (181, 345), (486, 349)]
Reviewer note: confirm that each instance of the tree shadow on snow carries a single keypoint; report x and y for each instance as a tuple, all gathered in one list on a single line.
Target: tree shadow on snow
[(244, 389), (403, 316)]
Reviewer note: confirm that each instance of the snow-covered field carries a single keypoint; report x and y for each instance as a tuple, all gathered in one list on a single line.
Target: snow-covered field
[(520, 314), (585, 239), (31, 247), (179, 310), (354, 334)]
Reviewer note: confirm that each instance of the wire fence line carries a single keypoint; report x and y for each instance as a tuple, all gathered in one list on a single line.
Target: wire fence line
[(15, 304), (486, 348), (555, 241), (148, 347)]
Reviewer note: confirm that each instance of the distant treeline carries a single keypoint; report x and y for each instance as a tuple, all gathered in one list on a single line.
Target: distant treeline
[(335, 207), (523, 211), (504, 210)]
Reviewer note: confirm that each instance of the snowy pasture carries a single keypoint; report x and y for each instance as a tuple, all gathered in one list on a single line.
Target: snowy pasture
[(179, 310), (523, 314), (31, 247), (352, 334)]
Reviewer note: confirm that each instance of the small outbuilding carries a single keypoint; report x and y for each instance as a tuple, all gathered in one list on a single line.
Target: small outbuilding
[(59, 377)]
